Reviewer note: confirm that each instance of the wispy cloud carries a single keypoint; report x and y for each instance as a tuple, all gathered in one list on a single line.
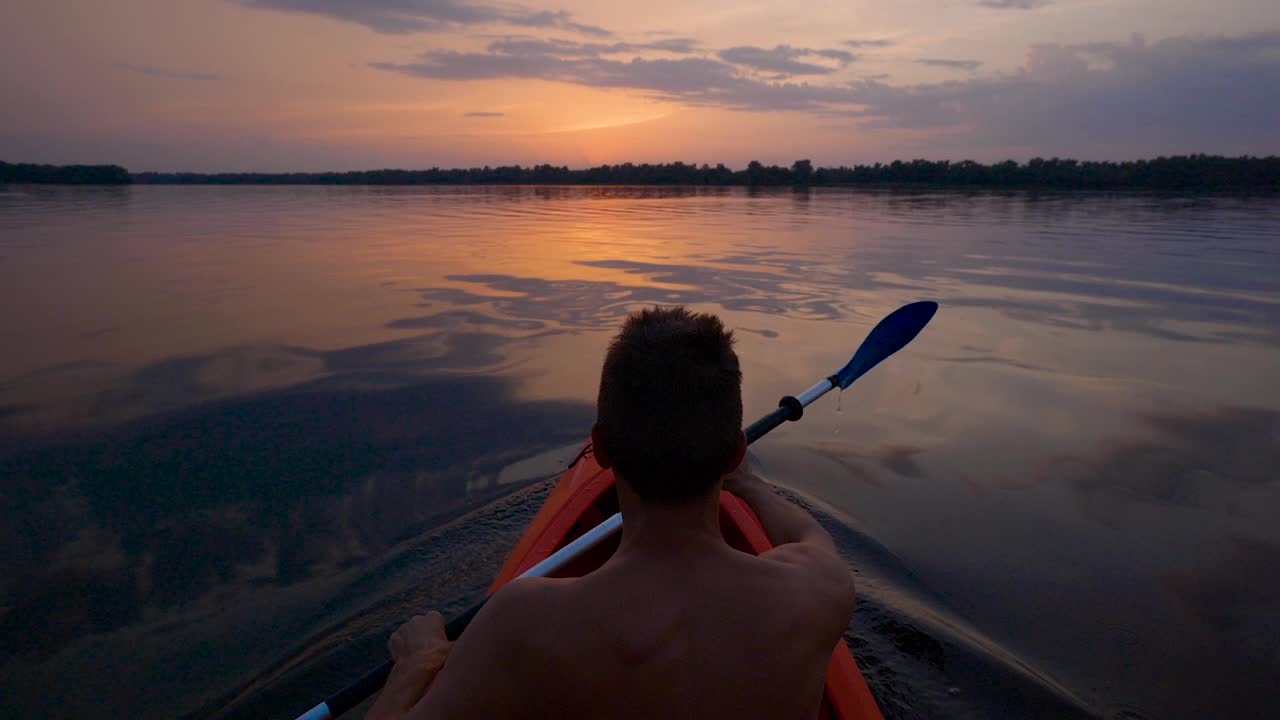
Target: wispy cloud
[(1014, 4), (869, 43), (410, 16), (673, 44), (483, 114), (786, 60), (525, 45), (560, 20), (692, 80), (663, 75), (969, 65), (169, 73)]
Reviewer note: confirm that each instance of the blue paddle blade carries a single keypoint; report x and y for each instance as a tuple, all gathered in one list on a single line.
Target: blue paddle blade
[(891, 335)]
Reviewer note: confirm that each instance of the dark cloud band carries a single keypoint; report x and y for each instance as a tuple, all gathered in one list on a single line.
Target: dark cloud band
[(969, 65), (786, 60), (868, 43), (409, 16)]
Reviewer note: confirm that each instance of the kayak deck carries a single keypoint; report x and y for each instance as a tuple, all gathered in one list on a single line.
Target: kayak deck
[(585, 497)]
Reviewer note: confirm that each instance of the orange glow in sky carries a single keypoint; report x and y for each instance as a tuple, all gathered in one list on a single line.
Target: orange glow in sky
[(212, 85)]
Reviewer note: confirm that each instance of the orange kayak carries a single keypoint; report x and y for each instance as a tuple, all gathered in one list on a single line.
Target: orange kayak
[(585, 497)]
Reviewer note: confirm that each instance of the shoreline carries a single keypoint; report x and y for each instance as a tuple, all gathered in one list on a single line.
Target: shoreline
[(1178, 173)]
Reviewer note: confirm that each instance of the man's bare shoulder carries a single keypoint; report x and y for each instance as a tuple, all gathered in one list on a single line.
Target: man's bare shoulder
[(531, 615), (506, 640), (515, 605), (817, 578)]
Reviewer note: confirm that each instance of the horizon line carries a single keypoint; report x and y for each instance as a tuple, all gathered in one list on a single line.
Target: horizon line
[(694, 165)]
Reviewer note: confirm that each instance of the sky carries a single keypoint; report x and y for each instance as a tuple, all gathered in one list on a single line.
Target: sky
[(308, 85)]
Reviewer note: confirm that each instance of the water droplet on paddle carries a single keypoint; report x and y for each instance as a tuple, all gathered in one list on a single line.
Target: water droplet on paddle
[(839, 410)]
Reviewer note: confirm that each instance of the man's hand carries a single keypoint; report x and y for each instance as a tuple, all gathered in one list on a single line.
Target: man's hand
[(421, 640), (783, 522), (742, 481), (419, 649)]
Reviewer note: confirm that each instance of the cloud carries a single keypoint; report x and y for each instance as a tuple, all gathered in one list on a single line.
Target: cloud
[(547, 19), (670, 77), (674, 44), (1013, 4), (166, 72), (1182, 94), (784, 59), (839, 55), (969, 65), (524, 45), (410, 16), (877, 43), (485, 114), (691, 80)]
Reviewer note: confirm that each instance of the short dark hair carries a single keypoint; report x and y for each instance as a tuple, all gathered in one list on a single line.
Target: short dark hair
[(670, 404)]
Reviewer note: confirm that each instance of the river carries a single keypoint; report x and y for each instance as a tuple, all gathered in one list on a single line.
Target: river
[(245, 431)]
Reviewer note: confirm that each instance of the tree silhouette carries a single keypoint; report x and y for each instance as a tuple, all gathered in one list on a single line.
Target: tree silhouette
[(801, 173), (1189, 172), (24, 173)]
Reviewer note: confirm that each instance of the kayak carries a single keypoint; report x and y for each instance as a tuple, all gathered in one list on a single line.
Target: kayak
[(584, 497)]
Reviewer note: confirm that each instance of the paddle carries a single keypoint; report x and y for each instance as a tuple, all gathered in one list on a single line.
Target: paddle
[(888, 337)]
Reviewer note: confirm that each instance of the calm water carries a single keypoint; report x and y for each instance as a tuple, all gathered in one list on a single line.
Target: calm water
[(238, 427)]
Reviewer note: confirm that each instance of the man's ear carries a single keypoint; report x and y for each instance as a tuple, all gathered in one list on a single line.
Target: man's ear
[(738, 454), (597, 448)]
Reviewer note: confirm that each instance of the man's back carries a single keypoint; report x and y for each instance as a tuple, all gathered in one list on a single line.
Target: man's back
[(676, 623), (725, 635), (690, 629)]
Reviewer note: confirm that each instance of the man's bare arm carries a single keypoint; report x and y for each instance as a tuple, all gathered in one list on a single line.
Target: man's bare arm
[(801, 542), (783, 521), (419, 649), (485, 675)]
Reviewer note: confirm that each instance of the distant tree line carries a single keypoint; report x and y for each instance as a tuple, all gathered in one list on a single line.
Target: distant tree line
[(1183, 172), (1192, 172), (23, 173), (1187, 172)]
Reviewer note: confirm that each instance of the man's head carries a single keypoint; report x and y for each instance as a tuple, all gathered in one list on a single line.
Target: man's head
[(669, 415)]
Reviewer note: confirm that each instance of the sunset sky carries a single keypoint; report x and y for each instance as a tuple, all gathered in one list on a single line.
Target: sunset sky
[(216, 85)]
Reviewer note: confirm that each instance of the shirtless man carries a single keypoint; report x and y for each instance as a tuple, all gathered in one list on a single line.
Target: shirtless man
[(676, 624)]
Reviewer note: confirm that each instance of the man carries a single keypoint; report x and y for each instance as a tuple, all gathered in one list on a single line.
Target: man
[(676, 624)]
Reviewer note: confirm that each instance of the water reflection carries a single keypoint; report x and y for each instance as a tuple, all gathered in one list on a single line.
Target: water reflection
[(246, 418), (1230, 601), (1196, 461), (584, 304), (1171, 562), (109, 527)]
